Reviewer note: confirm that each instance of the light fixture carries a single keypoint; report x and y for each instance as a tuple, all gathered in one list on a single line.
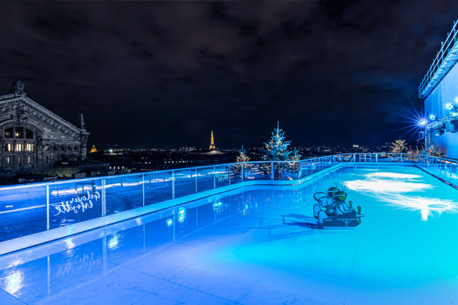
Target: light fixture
[(423, 122), (432, 117), (449, 106)]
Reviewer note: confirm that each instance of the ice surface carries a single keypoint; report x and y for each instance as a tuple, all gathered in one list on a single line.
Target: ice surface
[(234, 249)]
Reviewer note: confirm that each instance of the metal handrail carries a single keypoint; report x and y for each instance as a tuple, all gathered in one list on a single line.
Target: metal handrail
[(444, 51), (9, 187)]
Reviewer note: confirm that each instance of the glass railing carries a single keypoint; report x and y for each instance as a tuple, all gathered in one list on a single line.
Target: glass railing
[(33, 208)]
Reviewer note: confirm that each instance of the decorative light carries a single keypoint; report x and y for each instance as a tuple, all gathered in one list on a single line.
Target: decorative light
[(169, 222), (454, 113), (449, 106), (432, 117)]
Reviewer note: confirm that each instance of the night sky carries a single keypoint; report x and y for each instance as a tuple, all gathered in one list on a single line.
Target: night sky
[(163, 74)]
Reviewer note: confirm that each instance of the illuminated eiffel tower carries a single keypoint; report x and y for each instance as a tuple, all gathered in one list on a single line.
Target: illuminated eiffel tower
[(212, 143)]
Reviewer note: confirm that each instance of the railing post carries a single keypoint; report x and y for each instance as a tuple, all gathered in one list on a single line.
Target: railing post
[(214, 177), (229, 175), (401, 158), (104, 198), (242, 172), (173, 184), (195, 174), (47, 207), (376, 158), (272, 175), (143, 189)]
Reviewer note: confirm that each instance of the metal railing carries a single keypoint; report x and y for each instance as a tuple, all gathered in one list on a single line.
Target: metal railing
[(446, 47), (33, 208)]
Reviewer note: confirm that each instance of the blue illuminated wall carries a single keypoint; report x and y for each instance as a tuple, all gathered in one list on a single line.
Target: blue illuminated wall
[(445, 92)]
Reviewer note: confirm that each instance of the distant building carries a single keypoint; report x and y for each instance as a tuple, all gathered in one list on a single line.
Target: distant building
[(440, 93), (33, 138)]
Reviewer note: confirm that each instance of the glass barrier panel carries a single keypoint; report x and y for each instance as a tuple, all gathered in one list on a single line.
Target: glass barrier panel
[(288, 170), (123, 193), (222, 176), (306, 168), (158, 187), (257, 171), (185, 182), (383, 158), (22, 211), (205, 179), (73, 202), (235, 173)]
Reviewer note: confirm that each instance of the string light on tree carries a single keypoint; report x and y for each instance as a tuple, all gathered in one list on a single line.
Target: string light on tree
[(242, 156), (276, 149)]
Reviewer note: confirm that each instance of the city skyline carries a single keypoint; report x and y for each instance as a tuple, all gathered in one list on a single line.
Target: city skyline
[(165, 74)]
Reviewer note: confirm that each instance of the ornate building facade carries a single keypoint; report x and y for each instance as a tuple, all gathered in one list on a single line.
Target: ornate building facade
[(33, 138)]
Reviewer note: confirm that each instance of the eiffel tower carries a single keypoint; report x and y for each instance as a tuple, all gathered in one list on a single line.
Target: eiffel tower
[(212, 143)]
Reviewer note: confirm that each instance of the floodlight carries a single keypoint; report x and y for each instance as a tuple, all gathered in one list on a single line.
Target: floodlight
[(423, 122)]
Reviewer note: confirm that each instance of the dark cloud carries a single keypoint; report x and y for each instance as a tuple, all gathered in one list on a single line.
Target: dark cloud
[(164, 73)]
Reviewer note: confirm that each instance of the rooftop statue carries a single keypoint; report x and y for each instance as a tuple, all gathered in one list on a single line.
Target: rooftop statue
[(18, 87)]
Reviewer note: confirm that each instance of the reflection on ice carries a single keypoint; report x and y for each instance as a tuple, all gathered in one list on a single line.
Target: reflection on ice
[(14, 282), (386, 186), (388, 182), (392, 175), (114, 241), (425, 205), (69, 243)]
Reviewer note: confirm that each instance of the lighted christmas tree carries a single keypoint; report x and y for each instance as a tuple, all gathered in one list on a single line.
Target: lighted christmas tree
[(276, 149), (398, 147), (242, 156), (433, 151), (295, 156)]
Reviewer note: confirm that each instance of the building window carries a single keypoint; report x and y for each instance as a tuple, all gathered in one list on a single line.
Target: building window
[(8, 161), (47, 160), (9, 147), (19, 147), (29, 160), (19, 161), (9, 132), (28, 134), (28, 147), (19, 132)]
